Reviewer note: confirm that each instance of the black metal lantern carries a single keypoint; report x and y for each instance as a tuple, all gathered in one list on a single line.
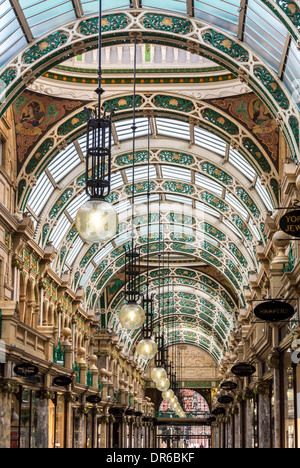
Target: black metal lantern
[(97, 220)]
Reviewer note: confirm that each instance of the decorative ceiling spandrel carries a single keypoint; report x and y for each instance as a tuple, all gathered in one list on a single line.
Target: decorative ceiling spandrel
[(253, 113), (35, 115)]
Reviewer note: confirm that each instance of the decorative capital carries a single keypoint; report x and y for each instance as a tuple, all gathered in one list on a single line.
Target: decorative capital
[(261, 388), (7, 387), (273, 360)]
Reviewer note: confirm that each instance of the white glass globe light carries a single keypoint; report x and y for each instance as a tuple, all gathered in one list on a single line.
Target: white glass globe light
[(132, 316), (168, 395), (147, 349), (163, 385), (97, 221), (158, 374)]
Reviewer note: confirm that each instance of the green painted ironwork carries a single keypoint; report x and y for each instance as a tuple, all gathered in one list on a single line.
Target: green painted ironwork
[(89, 377), (77, 369), (290, 265), (59, 352)]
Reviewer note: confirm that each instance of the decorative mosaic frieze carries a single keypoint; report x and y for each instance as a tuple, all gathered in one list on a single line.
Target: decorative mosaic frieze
[(123, 103), (70, 125), (257, 154), (272, 86), (214, 201), (213, 231), (238, 255), (38, 156), (225, 44), (243, 195), (63, 199), (242, 227), (174, 103), (294, 124), (127, 159), (44, 47), (171, 24), (220, 121), (177, 187), (213, 171), (177, 158), (292, 10), (109, 23), (211, 259)]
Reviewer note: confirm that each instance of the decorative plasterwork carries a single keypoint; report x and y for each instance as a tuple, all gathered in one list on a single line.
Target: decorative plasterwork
[(177, 31), (199, 113)]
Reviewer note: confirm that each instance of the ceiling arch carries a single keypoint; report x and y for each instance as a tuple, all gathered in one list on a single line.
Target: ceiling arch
[(177, 30), (176, 107)]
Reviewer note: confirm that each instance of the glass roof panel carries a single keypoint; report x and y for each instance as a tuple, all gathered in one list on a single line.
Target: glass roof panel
[(210, 141), (87, 275), (291, 75), (173, 128), (236, 204), (179, 199), (60, 231), (264, 33), (221, 13), (92, 6), (254, 229), (76, 204), (180, 174), (74, 251), (141, 173), (207, 183), (103, 252), (45, 15), (238, 161), (64, 163), (173, 5), (37, 199), (264, 195), (12, 38), (124, 128), (207, 209), (233, 229)]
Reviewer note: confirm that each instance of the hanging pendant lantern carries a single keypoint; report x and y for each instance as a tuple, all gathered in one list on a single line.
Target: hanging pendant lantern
[(132, 315), (146, 349), (97, 220)]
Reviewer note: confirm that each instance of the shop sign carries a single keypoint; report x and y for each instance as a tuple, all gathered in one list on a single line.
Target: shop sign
[(26, 369), (225, 399), (290, 223), (274, 311), (93, 399), (229, 385), (62, 381), (243, 369)]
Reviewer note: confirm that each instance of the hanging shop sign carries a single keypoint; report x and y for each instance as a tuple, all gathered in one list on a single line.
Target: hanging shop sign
[(225, 399), (62, 381), (218, 411), (94, 399), (290, 223), (274, 311), (243, 369), (229, 385), (25, 369)]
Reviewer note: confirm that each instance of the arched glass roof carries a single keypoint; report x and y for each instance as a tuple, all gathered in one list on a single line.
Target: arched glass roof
[(269, 28)]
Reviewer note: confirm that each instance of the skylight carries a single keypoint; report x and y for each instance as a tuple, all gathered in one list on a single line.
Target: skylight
[(210, 141), (238, 161), (173, 128), (206, 183), (38, 197), (64, 162)]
